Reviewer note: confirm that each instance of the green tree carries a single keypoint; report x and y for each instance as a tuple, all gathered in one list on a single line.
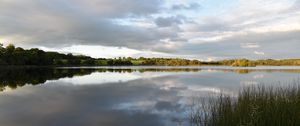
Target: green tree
[(10, 48)]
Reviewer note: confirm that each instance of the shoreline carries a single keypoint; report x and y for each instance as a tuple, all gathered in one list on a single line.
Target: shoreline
[(157, 67)]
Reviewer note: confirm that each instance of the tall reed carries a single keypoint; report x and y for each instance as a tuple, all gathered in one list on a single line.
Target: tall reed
[(254, 106)]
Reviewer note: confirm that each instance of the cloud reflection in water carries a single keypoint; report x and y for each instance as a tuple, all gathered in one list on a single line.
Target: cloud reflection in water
[(121, 98)]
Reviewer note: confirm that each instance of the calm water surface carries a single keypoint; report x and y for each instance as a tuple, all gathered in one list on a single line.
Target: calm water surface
[(120, 96)]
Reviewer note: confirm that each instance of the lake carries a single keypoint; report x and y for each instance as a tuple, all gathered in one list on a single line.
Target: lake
[(120, 96)]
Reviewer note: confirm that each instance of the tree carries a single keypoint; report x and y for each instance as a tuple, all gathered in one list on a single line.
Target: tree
[(2, 49), (10, 48), (1, 46)]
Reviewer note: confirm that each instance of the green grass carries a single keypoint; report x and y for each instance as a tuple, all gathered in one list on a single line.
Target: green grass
[(137, 62), (254, 106)]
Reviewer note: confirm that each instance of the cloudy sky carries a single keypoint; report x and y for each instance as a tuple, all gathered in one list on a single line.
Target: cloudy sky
[(196, 29)]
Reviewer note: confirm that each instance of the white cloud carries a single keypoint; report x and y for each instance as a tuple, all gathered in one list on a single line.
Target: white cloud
[(249, 45), (259, 53)]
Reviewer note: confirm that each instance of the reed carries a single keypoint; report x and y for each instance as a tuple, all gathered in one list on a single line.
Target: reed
[(254, 106)]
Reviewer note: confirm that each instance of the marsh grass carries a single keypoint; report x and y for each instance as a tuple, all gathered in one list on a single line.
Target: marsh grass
[(254, 106)]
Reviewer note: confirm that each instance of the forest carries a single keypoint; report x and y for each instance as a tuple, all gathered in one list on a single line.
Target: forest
[(17, 56), (266, 62)]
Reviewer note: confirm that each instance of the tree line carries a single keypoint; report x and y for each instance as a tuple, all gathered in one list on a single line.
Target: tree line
[(14, 56), (266, 62), (11, 55)]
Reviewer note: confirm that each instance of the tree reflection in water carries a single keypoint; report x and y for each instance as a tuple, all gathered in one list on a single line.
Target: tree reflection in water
[(18, 77)]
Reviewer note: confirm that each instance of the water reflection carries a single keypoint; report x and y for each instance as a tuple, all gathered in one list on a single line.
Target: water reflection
[(112, 97), (18, 77)]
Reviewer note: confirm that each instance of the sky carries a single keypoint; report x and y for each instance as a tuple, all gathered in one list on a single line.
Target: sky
[(192, 29)]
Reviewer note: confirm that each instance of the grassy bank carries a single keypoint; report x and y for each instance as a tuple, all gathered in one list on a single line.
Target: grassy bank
[(254, 106)]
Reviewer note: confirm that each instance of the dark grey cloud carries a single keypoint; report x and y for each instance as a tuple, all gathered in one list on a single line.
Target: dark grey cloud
[(61, 23), (169, 21), (192, 6)]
